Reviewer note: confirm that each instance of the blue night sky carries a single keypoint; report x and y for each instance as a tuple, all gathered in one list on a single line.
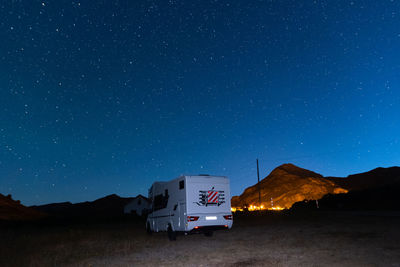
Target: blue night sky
[(103, 97)]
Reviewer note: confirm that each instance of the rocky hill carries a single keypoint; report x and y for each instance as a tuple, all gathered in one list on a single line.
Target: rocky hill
[(13, 210), (286, 185)]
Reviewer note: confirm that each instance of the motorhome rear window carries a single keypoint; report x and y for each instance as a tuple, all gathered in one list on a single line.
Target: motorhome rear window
[(181, 184)]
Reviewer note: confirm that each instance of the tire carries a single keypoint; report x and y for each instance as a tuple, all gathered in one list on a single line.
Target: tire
[(209, 233), (148, 229), (171, 234)]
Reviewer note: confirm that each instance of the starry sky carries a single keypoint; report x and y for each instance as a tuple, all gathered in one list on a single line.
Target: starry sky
[(103, 97)]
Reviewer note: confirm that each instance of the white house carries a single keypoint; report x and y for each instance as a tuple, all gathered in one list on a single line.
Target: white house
[(138, 205)]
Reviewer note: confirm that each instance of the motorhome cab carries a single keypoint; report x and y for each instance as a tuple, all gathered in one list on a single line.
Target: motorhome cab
[(190, 204)]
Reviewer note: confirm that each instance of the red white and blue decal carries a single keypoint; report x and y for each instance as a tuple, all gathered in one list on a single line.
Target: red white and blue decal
[(211, 198)]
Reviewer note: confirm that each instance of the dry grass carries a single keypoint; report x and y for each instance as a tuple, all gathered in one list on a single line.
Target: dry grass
[(315, 239)]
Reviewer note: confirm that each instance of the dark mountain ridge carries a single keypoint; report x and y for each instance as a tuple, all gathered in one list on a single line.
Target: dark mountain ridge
[(379, 177), (108, 206)]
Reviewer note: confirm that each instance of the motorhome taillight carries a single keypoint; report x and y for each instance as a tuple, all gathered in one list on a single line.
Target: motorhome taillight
[(192, 218), (228, 217)]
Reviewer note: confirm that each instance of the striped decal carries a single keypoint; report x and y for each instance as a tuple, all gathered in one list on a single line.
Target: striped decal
[(212, 196)]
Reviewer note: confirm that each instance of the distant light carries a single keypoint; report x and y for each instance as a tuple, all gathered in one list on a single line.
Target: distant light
[(255, 207), (276, 208)]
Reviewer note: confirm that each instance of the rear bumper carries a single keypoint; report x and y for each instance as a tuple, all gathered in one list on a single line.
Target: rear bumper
[(218, 221), (208, 228)]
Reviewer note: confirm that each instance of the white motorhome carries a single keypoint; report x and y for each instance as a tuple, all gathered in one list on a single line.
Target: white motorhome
[(190, 204)]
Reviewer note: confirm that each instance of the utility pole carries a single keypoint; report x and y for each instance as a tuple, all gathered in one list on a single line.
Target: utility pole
[(259, 188)]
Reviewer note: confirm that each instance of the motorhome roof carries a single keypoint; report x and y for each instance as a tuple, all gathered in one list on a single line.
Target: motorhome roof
[(203, 176), (191, 176), (163, 182)]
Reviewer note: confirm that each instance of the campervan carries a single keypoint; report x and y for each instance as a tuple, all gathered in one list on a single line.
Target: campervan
[(190, 204)]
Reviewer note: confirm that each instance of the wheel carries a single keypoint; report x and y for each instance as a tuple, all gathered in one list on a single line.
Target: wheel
[(209, 233), (148, 229), (171, 234)]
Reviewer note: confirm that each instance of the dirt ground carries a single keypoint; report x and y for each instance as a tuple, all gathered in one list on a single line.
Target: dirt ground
[(272, 239)]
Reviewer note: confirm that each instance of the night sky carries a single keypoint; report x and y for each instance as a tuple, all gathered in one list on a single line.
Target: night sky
[(103, 97)]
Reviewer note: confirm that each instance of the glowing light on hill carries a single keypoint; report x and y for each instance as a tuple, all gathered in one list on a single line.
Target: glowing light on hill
[(256, 207), (276, 208), (234, 209)]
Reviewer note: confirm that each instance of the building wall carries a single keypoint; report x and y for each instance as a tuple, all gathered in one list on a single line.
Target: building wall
[(138, 205)]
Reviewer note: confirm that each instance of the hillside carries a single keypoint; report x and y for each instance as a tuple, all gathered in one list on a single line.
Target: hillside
[(379, 177), (12, 210), (286, 185), (383, 198)]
